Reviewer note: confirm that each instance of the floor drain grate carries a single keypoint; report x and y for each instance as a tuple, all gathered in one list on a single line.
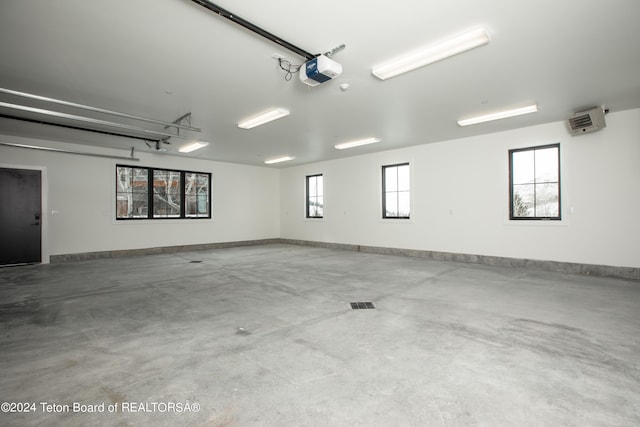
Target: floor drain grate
[(362, 305)]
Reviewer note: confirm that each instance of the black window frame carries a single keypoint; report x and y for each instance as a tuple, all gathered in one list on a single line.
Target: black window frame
[(150, 194), (512, 209), (308, 197), (384, 192)]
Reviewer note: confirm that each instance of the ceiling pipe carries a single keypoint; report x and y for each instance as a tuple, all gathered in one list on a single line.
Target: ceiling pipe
[(103, 132), (88, 120), (97, 110), (249, 26), (80, 153)]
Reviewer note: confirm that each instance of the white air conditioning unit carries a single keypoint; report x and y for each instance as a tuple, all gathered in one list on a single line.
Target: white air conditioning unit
[(319, 70), (587, 121)]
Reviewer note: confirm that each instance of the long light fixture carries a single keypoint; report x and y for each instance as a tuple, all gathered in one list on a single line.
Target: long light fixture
[(262, 118), (192, 146), (499, 115), (356, 143), (431, 53), (279, 160)]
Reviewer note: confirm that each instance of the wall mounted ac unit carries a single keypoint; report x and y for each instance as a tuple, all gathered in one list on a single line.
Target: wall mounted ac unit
[(587, 121)]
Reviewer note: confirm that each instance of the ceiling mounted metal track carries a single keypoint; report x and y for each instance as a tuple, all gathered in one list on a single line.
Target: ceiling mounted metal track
[(80, 153), (67, 126), (97, 110), (252, 27), (89, 120)]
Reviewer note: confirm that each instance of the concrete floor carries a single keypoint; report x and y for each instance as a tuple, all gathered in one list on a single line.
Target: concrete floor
[(264, 336)]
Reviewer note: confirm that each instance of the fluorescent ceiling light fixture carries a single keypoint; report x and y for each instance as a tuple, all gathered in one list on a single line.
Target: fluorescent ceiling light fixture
[(357, 143), (279, 159), (193, 146), (262, 118), (499, 115), (431, 53)]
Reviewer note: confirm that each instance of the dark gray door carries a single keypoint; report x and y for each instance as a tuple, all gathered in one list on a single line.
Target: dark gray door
[(20, 213)]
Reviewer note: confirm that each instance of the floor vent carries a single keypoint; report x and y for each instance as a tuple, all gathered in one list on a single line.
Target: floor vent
[(362, 305), (194, 262)]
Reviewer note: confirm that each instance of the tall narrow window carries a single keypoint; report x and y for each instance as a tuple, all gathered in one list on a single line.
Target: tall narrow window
[(396, 200), (167, 194), (315, 196), (535, 183), (132, 192), (196, 189)]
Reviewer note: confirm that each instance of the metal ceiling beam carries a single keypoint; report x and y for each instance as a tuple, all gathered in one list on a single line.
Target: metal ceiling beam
[(97, 110), (67, 126), (88, 120), (252, 27), (80, 153)]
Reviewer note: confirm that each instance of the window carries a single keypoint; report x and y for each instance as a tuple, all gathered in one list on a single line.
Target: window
[(132, 192), (535, 183), (197, 194), (396, 202), (146, 193), (167, 194), (315, 196)]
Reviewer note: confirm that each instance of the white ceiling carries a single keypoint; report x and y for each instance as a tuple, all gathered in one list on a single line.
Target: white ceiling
[(164, 58)]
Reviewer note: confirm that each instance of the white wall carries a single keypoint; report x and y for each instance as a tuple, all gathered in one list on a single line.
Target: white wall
[(81, 195), (460, 197)]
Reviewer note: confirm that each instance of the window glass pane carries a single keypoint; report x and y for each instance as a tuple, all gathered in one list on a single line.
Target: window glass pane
[(522, 165), (190, 184), (166, 194), (404, 204), (391, 178), (547, 165), (315, 207), (319, 181), (391, 205), (313, 186), (319, 207), (311, 207), (523, 198), (131, 192), (547, 200), (403, 178)]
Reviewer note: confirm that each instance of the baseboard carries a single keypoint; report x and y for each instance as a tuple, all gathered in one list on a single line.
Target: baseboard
[(630, 273), (85, 256)]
